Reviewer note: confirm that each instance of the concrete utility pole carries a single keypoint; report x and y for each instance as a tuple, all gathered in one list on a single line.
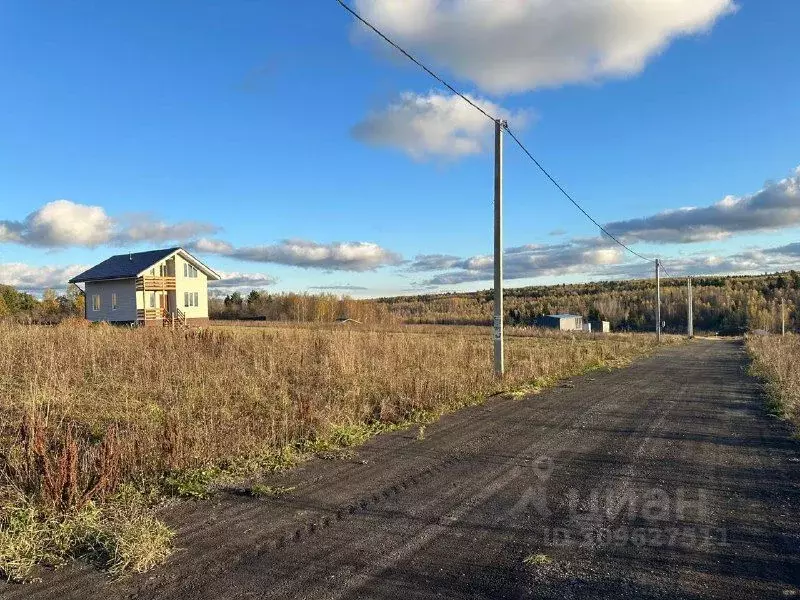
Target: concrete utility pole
[(689, 308), (783, 316), (658, 300), (499, 364)]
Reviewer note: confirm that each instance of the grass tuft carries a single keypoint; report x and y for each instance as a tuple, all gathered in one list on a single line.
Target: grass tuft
[(537, 559), (121, 536)]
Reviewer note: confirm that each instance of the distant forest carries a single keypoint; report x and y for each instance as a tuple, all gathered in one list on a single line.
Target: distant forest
[(720, 303), (752, 302)]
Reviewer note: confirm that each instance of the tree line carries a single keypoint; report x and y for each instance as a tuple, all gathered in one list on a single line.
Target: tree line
[(50, 308), (720, 303), (315, 308)]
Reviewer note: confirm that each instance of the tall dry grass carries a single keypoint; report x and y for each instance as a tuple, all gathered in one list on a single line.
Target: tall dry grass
[(86, 412), (163, 401), (777, 360)]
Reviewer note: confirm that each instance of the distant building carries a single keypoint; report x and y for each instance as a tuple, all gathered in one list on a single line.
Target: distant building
[(600, 326), (148, 288), (562, 322)]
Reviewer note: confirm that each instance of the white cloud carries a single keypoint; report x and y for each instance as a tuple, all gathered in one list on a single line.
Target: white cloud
[(521, 45), (146, 228), (776, 206), (35, 279), (533, 260), (336, 256), (241, 282), (63, 223), (434, 125)]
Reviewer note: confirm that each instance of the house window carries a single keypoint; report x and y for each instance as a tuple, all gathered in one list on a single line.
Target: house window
[(95, 301), (152, 299), (153, 271), (185, 270), (195, 299), (114, 301), (186, 298)]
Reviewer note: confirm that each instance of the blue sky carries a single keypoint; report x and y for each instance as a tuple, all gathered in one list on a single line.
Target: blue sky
[(290, 149)]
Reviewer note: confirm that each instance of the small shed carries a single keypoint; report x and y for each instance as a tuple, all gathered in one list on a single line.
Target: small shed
[(562, 322), (600, 326)]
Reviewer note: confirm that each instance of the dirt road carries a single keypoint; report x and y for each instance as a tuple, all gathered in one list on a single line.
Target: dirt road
[(664, 480)]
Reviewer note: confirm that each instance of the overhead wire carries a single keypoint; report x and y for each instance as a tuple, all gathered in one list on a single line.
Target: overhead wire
[(474, 105)]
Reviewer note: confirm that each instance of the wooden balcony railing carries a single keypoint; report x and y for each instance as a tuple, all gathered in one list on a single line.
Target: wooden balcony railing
[(154, 283), (149, 314)]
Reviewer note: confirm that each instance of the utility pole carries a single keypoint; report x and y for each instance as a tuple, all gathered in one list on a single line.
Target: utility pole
[(658, 300), (783, 316), (499, 364), (690, 308)]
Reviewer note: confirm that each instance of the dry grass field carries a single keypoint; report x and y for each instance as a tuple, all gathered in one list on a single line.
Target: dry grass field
[(98, 423), (777, 360)]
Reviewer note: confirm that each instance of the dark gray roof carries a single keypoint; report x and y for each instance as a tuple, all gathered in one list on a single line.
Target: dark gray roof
[(123, 265)]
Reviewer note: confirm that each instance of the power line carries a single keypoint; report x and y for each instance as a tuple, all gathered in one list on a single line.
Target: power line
[(415, 61), (488, 116), (570, 198)]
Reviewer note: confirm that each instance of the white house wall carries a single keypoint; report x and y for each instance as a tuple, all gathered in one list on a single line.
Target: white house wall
[(197, 284), (126, 302)]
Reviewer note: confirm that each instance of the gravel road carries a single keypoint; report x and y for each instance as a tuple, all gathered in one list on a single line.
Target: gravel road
[(666, 479)]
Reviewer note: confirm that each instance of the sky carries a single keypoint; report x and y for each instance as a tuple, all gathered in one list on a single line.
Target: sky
[(292, 150)]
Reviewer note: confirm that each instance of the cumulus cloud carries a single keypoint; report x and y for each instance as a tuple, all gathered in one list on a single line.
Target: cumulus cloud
[(58, 224), (745, 262), (776, 206), (531, 260), (433, 262), (529, 44), (35, 279), (434, 125), (147, 228), (336, 256), (230, 282), (63, 223), (792, 249), (595, 257)]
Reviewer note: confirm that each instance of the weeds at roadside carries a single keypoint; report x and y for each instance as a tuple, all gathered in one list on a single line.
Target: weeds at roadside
[(776, 361), (120, 536), (537, 559), (192, 483)]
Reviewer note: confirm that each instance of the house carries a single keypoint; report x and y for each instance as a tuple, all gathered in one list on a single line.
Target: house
[(562, 322), (600, 326), (148, 288)]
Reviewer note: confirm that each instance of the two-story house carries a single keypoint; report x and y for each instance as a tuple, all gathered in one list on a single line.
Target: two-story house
[(148, 288)]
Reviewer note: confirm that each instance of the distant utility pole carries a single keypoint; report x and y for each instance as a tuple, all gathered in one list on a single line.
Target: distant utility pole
[(689, 308), (658, 300), (499, 364), (783, 316)]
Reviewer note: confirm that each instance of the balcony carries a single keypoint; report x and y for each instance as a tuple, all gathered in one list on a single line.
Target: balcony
[(155, 283)]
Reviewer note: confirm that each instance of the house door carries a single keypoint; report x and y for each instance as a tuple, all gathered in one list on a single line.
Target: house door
[(163, 303)]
